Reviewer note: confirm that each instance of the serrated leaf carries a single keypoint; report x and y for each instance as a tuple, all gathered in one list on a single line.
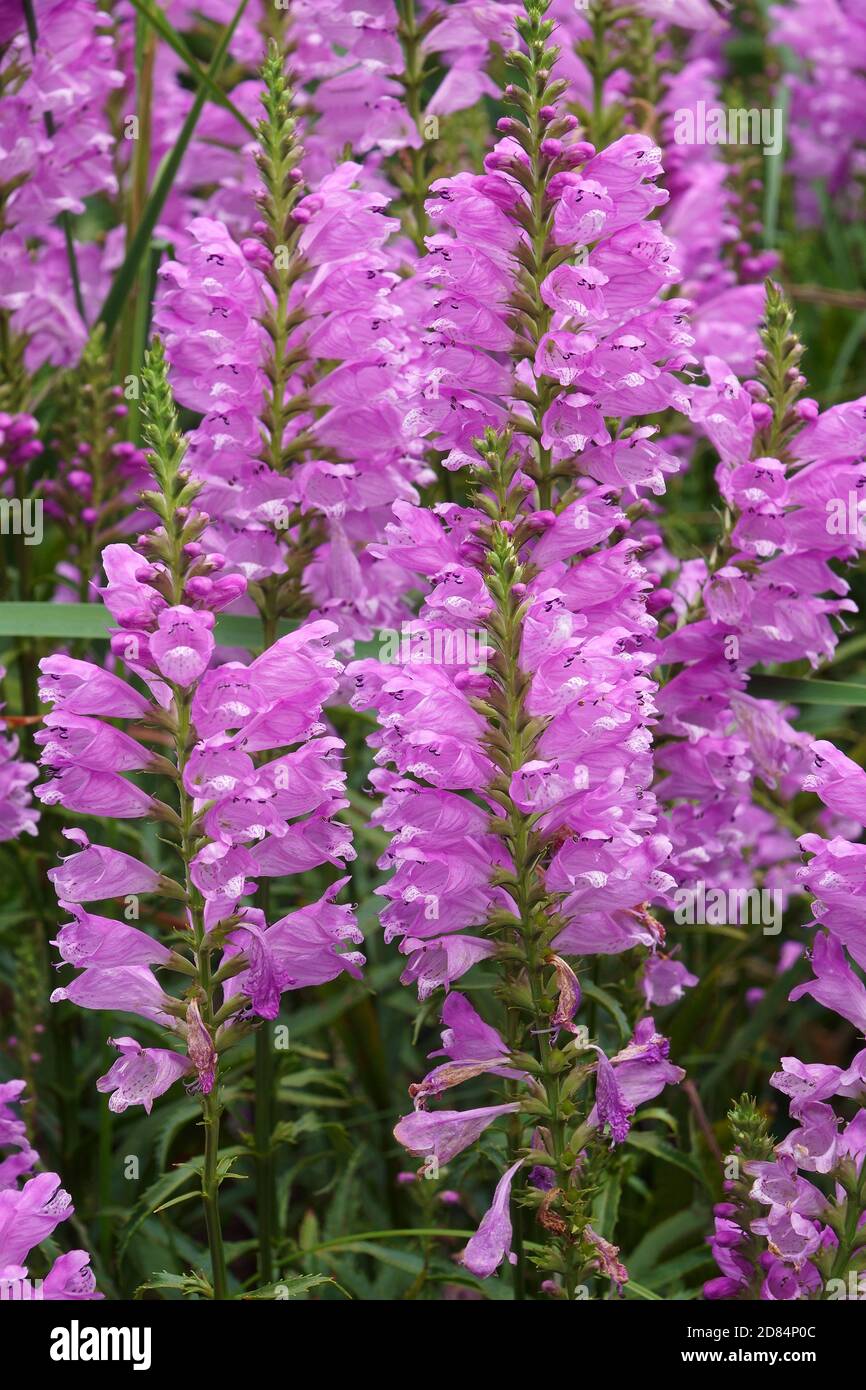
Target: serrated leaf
[(289, 1131), (187, 1284), (291, 1287)]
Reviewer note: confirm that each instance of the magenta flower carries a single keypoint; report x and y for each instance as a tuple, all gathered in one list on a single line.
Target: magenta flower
[(840, 783), (93, 793), (182, 644), (17, 815), (70, 76), (70, 1279), (78, 687), (200, 1048), (439, 961), (785, 1282), (306, 946), (140, 1074), (96, 871), (76, 740), (835, 985), (491, 1243), (445, 1133), (814, 1144), (440, 403), (612, 1108), (126, 988), (103, 942), (29, 1215), (13, 1131), (801, 1081), (466, 1037), (778, 1184), (664, 981)]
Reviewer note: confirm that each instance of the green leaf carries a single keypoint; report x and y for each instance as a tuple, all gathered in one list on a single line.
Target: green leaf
[(605, 1207), (236, 630), (289, 1096), (607, 1001), (807, 692), (66, 621), (173, 1118), (763, 1014), (633, 1290), (308, 1234), (681, 1226), (854, 645), (366, 1237), (656, 1146), (157, 19), (290, 1131), (672, 1271), (186, 1284), (844, 358), (158, 1192), (166, 174), (657, 1112), (386, 1254), (176, 1201), (775, 165), (291, 1287)]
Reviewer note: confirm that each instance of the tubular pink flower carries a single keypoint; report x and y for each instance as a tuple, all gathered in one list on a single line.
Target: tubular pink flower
[(491, 1243), (140, 1074)]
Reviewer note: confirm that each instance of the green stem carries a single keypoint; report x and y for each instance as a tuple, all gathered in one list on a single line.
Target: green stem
[(413, 81), (210, 1193), (264, 1080), (847, 1239), (513, 742), (598, 66), (136, 315), (179, 528), (105, 1157), (211, 1107), (264, 1083), (26, 653)]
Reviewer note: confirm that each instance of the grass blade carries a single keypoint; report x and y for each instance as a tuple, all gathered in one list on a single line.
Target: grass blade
[(176, 42), (91, 621), (125, 277), (808, 692)]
